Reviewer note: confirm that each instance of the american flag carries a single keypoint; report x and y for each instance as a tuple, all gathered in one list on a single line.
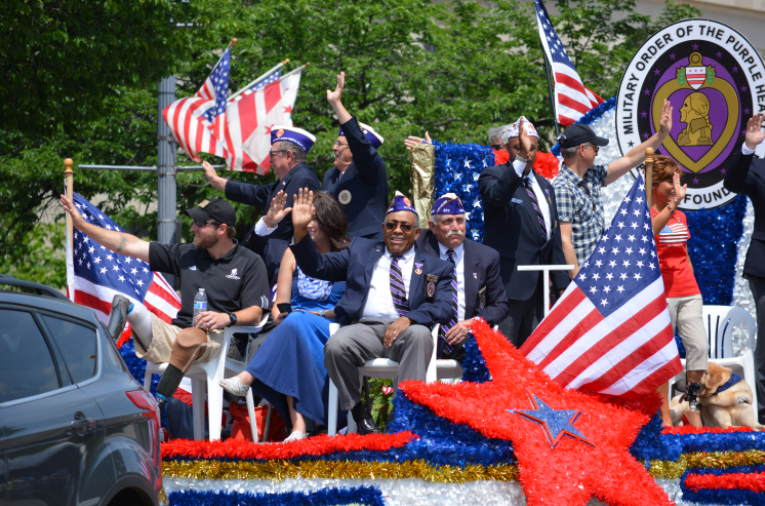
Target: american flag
[(95, 274), (572, 99), (251, 118), (674, 233), (270, 78), (198, 123), (610, 332)]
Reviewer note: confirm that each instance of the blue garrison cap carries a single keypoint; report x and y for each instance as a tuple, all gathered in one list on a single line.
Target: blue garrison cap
[(373, 137), (292, 134), (448, 203), (400, 203)]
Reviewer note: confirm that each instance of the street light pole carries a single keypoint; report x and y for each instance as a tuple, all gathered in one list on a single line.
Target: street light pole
[(166, 169)]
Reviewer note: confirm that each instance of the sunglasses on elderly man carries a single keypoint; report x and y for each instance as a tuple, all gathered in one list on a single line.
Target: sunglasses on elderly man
[(203, 223), (393, 225)]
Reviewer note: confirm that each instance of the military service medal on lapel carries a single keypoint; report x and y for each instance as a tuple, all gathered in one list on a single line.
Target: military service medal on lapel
[(714, 79)]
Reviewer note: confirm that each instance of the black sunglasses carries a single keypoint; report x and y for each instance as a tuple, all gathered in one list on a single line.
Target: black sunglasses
[(393, 225), (203, 223), (274, 153)]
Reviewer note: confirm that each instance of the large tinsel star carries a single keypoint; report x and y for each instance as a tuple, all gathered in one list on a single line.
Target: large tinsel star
[(571, 472)]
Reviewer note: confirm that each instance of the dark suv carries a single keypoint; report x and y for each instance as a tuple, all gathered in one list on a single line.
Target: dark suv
[(75, 427)]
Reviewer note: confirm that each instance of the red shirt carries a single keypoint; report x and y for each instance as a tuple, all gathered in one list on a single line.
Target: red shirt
[(671, 245)]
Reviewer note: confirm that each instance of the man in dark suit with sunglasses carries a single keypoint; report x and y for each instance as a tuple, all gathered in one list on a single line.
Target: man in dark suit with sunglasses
[(394, 295), (288, 156)]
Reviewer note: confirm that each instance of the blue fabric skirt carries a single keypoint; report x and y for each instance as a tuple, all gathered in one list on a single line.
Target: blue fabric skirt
[(291, 362)]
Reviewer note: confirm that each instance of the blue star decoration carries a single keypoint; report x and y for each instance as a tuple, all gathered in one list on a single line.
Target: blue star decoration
[(556, 423)]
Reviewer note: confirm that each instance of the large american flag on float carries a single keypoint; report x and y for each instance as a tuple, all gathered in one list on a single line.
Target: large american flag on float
[(610, 332), (198, 123), (95, 274), (572, 99), (251, 117)]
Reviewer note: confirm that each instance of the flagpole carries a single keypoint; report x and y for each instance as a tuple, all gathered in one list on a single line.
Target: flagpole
[(552, 95), (648, 175), (259, 79), (69, 180)]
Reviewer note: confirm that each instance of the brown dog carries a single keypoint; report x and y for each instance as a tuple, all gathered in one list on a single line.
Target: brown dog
[(730, 407)]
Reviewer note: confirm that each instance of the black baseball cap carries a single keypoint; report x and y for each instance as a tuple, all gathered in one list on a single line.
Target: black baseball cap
[(579, 134), (214, 209)]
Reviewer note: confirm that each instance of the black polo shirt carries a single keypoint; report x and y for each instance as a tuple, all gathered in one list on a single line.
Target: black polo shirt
[(233, 282)]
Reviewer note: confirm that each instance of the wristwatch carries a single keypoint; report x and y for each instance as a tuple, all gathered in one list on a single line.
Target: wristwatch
[(233, 319), (321, 313), (519, 159)]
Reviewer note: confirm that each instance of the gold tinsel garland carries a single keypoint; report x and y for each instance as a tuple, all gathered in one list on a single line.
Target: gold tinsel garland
[(280, 470)]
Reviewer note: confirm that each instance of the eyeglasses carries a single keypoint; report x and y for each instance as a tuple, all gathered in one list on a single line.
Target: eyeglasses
[(393, 225), (496, 147), (340, 144), (274, 153), (204, 223)]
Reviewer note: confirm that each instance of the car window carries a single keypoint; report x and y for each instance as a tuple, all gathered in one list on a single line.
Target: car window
[(26, 363), (77, 344)]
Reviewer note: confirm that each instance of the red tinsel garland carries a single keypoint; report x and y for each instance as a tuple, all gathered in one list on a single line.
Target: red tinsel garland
[(754, 482), (573, 471), (317, 445), (546, 165), (500, 156)]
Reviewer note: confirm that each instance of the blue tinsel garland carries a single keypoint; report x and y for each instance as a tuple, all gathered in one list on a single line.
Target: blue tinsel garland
[(137, 367), (369, 496), (652, 445), (474, 365), (720, 495)]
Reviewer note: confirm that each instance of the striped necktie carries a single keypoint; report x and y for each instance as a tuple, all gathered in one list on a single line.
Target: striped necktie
[(443, 344), (397, 287), (535, 203)]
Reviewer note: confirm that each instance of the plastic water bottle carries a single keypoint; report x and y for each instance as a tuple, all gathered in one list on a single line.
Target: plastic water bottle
[(200, 305)]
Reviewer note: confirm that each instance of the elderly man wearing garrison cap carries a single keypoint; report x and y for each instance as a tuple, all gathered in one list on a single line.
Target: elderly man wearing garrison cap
[(358, 180), (394, 295), (269, 238), (477, 288), (521, 223)]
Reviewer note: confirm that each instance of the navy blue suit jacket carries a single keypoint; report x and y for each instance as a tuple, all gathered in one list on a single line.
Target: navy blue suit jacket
[(260, 196), (355, 265), (511, 227), (746, 176), (366, 179), (481, 272)]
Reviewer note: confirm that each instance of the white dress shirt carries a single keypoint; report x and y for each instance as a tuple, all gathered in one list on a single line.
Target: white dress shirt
[(459, 262), (379, 299), (544, 206), (746, 151), (262, 230)]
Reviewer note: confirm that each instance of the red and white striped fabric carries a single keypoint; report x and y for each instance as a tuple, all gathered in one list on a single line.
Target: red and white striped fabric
[(611, 332), (95, 275), (572, 99), (250, 120), (190, 132), (674, 233)]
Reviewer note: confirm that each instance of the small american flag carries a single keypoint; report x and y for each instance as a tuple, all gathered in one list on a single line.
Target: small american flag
[(198, 123), (674, 233), (274, 76), (95, 274), (572, 99), (610, 332)]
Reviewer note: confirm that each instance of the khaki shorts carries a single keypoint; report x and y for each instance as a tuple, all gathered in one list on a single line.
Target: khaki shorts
[(163, 337), (685, 313)]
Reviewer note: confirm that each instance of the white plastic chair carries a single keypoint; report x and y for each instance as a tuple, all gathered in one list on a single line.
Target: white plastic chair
[(719, 322), (385, 368), (212, 373)]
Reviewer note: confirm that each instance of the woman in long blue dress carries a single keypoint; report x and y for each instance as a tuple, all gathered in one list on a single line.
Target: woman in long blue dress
[(288, 369)]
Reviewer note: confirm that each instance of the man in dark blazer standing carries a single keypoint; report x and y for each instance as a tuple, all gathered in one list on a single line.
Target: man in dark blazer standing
[(289, 147), (477, 289), (521, 223), (746, 176), (359, 180), (394, 295)]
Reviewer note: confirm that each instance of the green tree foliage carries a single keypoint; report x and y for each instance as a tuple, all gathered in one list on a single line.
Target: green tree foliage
[(452, 68)]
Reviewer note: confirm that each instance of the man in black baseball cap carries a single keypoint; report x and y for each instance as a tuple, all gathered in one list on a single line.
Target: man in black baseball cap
[(579, 185), (234, 280)]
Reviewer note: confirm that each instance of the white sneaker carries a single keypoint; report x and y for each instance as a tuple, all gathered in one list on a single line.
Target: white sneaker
[(295, 436), (234, 386)]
